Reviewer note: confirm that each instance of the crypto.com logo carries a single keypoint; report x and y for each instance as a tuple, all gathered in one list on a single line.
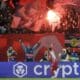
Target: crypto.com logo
[(20, 69)]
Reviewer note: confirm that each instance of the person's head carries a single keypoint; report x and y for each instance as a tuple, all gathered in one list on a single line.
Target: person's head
[(28, 45), (10, 48), (64, 50), (50, 49), (69, 50)]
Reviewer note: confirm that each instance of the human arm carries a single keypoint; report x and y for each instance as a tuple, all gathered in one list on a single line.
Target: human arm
[(36, 46), (22, 45)]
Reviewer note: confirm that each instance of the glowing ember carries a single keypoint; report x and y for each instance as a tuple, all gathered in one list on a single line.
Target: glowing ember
[(52, 16)]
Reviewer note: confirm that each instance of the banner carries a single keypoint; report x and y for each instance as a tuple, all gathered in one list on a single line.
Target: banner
[(39, 69), (20, 69), (68, 70)]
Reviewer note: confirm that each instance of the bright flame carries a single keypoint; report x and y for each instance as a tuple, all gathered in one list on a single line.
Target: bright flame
[(53, 17)]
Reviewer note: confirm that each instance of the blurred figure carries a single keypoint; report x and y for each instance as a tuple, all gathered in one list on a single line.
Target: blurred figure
[(15, 3), (53, 59), (11, 54), (69, 51), (5, 16), (64, 55), (78, 51), (3, 4), (29, 50), (2, 29), (74, 56), (45, 57), (52, 54)]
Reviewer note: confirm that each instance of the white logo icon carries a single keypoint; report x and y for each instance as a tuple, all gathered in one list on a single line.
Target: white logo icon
[(20, 69)]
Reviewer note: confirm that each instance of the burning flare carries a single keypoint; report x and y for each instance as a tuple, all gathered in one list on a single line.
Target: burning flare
[(53, 19)]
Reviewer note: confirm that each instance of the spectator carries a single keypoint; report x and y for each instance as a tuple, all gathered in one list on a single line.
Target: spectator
[(5, 19), (74, 56), (64, 55), (45, 57), (2, 29), (11, 54), (49, 55), (54, 60), (29, 50)]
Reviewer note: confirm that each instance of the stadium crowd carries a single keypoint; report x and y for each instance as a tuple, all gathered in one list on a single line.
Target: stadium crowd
[(67, 54), (68, 23), (70, 54)]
